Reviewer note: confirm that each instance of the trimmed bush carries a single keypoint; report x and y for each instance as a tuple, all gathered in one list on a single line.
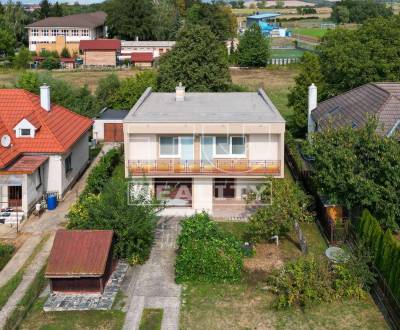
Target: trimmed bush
[(6, 251), (102, 172), (386, 250), (207, 254)]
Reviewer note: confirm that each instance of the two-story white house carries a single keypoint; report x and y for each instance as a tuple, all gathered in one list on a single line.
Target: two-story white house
[(56, 33), (203, 151)]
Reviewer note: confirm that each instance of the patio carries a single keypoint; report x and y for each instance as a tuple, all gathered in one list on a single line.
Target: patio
[(232, 209)]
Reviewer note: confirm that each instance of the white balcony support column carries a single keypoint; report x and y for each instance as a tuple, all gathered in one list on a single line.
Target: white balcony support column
[(202, 194)]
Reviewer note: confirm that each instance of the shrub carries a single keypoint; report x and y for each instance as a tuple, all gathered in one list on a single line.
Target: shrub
[(207, 254), (308, 281), (50, 63), (6, 251), (102, 172)]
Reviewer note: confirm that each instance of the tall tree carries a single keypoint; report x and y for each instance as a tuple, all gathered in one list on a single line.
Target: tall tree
[(45, 8), (358, 168), (359, 10), (253, 49), (15, 19), (217, 16), (198, 60), (56, 10), (7, 43), (128, 19), (166, 20)]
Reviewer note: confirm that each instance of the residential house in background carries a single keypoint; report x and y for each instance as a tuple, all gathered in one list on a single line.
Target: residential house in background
[(44, 148), (108, 125), (100, 52), (55, 33), (143, 60), (203, 151), (379, 100)]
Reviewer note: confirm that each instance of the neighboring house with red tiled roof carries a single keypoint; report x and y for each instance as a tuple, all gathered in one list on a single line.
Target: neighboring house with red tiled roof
[(43, 147), (353, 108), (100, 52)]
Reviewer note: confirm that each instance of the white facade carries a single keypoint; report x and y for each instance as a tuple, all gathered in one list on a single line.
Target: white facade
[(49, 177), (48, 35), (157, 48), (98, 127)]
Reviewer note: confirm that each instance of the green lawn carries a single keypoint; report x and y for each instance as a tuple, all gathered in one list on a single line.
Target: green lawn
[(286, 53), (6, 252), (38, 319), (151, 319), (248, 305), (311, 32)]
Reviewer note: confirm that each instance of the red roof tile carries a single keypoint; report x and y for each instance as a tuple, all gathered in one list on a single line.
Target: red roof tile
[(56, 130), (79, 253), (27, 164), (142, 57), (100, 44)]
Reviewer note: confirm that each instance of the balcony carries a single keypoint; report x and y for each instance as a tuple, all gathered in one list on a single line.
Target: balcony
[(224, 167)]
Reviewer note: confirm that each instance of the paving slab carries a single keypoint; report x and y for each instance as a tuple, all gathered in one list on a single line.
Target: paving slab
[(153, 285)]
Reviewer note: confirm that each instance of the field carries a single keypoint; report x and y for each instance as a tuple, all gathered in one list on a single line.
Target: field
[(310, 32), (276, 81), (248, 305), (76, 78), (285, 53)]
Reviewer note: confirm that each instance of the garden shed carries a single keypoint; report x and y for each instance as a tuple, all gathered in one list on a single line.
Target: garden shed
[(80, 261), (108, 125)]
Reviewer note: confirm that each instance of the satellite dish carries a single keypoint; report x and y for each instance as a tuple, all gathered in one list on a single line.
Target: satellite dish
[(5, 141)]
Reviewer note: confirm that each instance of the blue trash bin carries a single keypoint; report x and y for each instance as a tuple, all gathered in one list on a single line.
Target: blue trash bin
[(51, 202)]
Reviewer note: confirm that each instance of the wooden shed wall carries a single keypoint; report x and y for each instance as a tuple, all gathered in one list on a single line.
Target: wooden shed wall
[(100, 57)]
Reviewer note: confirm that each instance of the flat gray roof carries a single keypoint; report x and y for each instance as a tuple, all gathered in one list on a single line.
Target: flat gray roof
[(145, 43), (235, 107)]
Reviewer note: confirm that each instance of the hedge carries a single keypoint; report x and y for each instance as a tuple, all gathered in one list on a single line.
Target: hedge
[(102, 172), (206, 253), (385, 248)]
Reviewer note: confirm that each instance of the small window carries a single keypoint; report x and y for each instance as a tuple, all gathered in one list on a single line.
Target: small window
[(45, 33), (25, 132), (222, 145), (169, 146), (238, 145), (68, 164)]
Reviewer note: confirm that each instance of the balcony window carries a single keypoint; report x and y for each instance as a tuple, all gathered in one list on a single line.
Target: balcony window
[(230, 146), (238, 145), (169, 146), (222, 145)]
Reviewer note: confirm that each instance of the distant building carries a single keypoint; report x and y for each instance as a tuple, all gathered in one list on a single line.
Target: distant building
[(353, 108), (142, 59), (157, 48), (55, 33), (100, 52), (267, 24), (80, 261)]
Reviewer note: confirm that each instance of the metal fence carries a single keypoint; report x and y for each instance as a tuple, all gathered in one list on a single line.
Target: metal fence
[(284, 61)]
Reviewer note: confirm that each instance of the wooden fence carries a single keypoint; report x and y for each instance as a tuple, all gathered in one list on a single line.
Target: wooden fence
[(381, 292)]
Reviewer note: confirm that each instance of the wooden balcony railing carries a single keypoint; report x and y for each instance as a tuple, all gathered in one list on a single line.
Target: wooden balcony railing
[(221, 167)]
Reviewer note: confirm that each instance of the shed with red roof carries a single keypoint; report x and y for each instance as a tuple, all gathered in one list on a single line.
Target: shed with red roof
[(80, 261), (142, 59), (100, 52)]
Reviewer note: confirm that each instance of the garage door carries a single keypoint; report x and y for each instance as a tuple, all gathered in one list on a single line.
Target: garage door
[(113, 133)]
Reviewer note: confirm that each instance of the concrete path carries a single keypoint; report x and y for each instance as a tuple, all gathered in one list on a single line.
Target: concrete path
[(48, 222), (30, 274), (153, 284)]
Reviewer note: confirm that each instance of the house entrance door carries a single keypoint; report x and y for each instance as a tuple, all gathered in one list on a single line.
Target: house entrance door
[(224, 188), (14, 196)]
